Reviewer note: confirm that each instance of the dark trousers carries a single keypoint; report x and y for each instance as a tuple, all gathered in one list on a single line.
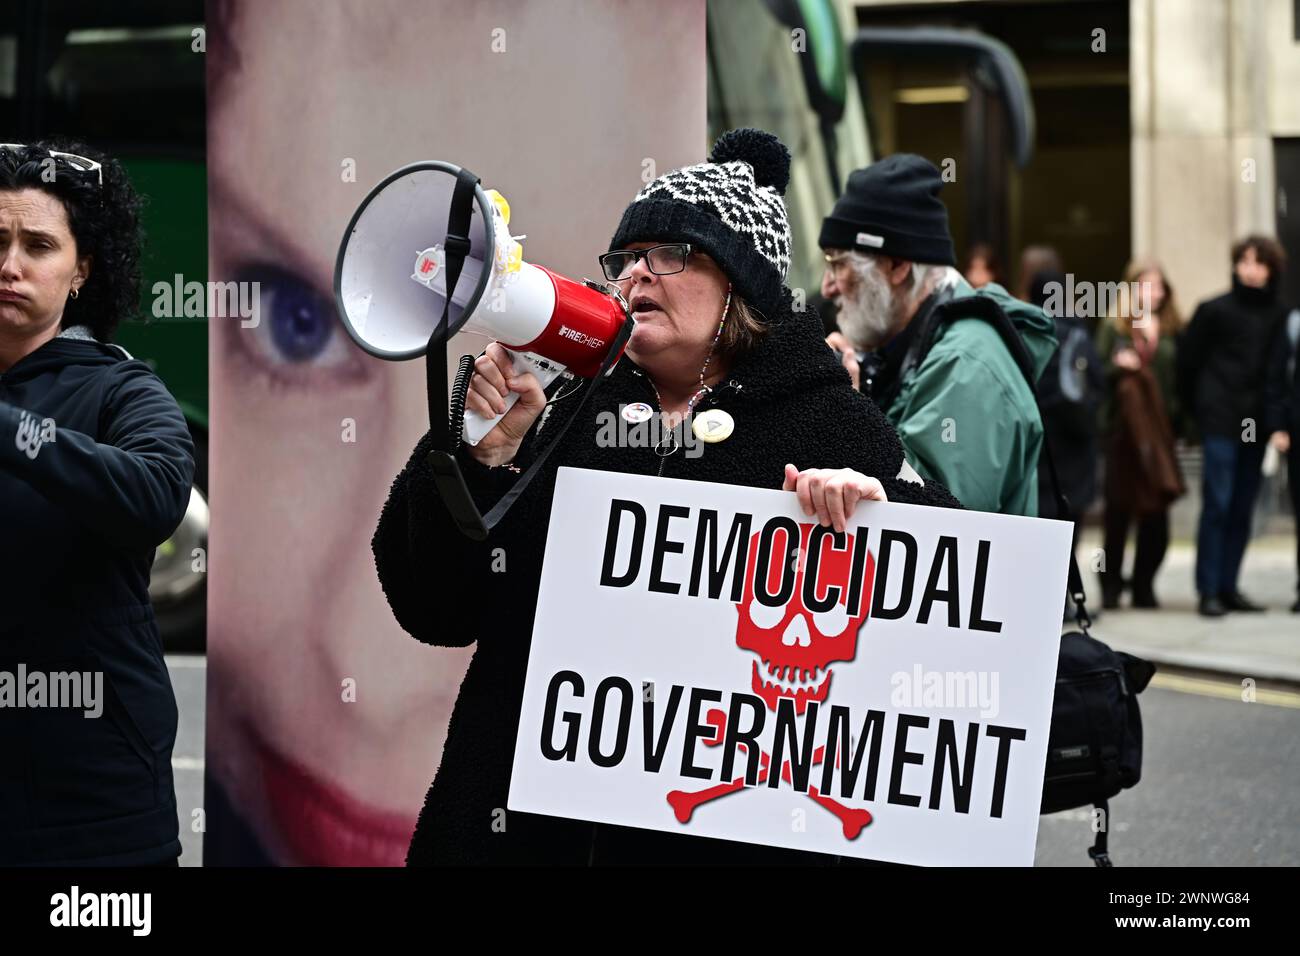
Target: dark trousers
[(1229, 486), (1150, 547)]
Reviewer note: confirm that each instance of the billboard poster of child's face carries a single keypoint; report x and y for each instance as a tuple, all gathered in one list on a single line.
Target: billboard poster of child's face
[(325, 720)]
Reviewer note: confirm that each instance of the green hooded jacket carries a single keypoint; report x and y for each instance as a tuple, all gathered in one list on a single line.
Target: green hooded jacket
[(966, 416)]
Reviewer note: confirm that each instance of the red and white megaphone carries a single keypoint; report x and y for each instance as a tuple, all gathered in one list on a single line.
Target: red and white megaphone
[(390, 284)]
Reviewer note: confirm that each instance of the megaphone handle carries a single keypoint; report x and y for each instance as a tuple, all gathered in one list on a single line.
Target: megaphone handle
[(451, 483), (476, 426)]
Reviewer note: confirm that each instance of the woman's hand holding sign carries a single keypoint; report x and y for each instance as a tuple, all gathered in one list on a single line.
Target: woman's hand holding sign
[(831, 493), (494, 378)]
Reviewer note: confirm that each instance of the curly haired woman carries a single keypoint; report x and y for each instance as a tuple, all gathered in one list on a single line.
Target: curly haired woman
[(95, 470)]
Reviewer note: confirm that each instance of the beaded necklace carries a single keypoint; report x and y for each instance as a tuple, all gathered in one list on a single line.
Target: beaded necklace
[(699, 393)]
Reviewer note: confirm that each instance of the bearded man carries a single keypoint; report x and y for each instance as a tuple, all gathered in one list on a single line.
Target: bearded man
[(921, 342)]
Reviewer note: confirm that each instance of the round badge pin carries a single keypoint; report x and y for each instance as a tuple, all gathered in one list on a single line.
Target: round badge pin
[(714, 425), (637, 412)]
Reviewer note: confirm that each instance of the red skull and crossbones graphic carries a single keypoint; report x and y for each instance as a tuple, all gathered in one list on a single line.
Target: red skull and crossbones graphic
[(795, 649)]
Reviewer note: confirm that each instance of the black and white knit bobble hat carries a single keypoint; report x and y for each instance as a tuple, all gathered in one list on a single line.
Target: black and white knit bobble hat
[(729, 207)]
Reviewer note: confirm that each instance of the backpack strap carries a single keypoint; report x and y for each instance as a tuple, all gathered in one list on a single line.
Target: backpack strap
[(971, 307), (1100, 851)]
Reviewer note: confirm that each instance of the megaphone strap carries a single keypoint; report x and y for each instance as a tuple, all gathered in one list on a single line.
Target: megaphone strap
[(499, 510), (457, 246), (450, 481)]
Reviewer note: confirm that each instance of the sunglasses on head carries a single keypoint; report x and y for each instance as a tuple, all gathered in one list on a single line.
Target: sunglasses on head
[(81, 164)]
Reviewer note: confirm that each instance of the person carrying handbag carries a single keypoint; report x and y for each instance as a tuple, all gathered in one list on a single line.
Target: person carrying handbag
[(1138, 416)]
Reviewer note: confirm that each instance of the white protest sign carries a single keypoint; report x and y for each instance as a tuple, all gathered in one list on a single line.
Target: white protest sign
[(899, 674)]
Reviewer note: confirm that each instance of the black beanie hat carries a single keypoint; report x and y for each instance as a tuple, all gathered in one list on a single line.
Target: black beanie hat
[(729, 207), (892, 208)]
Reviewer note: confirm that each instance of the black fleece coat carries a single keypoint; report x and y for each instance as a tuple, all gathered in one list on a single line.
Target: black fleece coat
[(791, 401), (80, 517)]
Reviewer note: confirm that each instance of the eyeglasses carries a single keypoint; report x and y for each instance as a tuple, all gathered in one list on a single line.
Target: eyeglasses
[(838, 258), (81, 164), (662, 260)]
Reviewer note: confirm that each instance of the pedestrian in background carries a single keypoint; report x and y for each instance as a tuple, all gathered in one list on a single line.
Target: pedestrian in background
[(1282, 397), (1222, 360), (1139, 419), (1034, 260), (1069, 393), (982, 266)]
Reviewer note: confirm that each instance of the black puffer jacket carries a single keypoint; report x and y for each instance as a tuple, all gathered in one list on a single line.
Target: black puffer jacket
[(791, 401), (80, 517)]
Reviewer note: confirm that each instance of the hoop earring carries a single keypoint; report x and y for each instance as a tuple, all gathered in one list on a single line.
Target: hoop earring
[(74, 293)]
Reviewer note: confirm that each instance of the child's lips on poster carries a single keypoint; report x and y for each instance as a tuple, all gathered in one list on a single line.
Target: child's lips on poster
[(323, 824)]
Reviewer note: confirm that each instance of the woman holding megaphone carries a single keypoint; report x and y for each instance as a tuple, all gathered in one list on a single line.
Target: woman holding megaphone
[(719, 356)]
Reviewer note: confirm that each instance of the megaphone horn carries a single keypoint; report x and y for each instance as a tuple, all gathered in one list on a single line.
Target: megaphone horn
[(400, 253)]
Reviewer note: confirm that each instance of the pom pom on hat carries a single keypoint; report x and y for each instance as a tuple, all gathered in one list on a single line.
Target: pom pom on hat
[(766, 155)]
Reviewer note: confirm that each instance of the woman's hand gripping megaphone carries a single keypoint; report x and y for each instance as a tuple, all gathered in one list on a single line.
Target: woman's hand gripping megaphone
[(496, 379)]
